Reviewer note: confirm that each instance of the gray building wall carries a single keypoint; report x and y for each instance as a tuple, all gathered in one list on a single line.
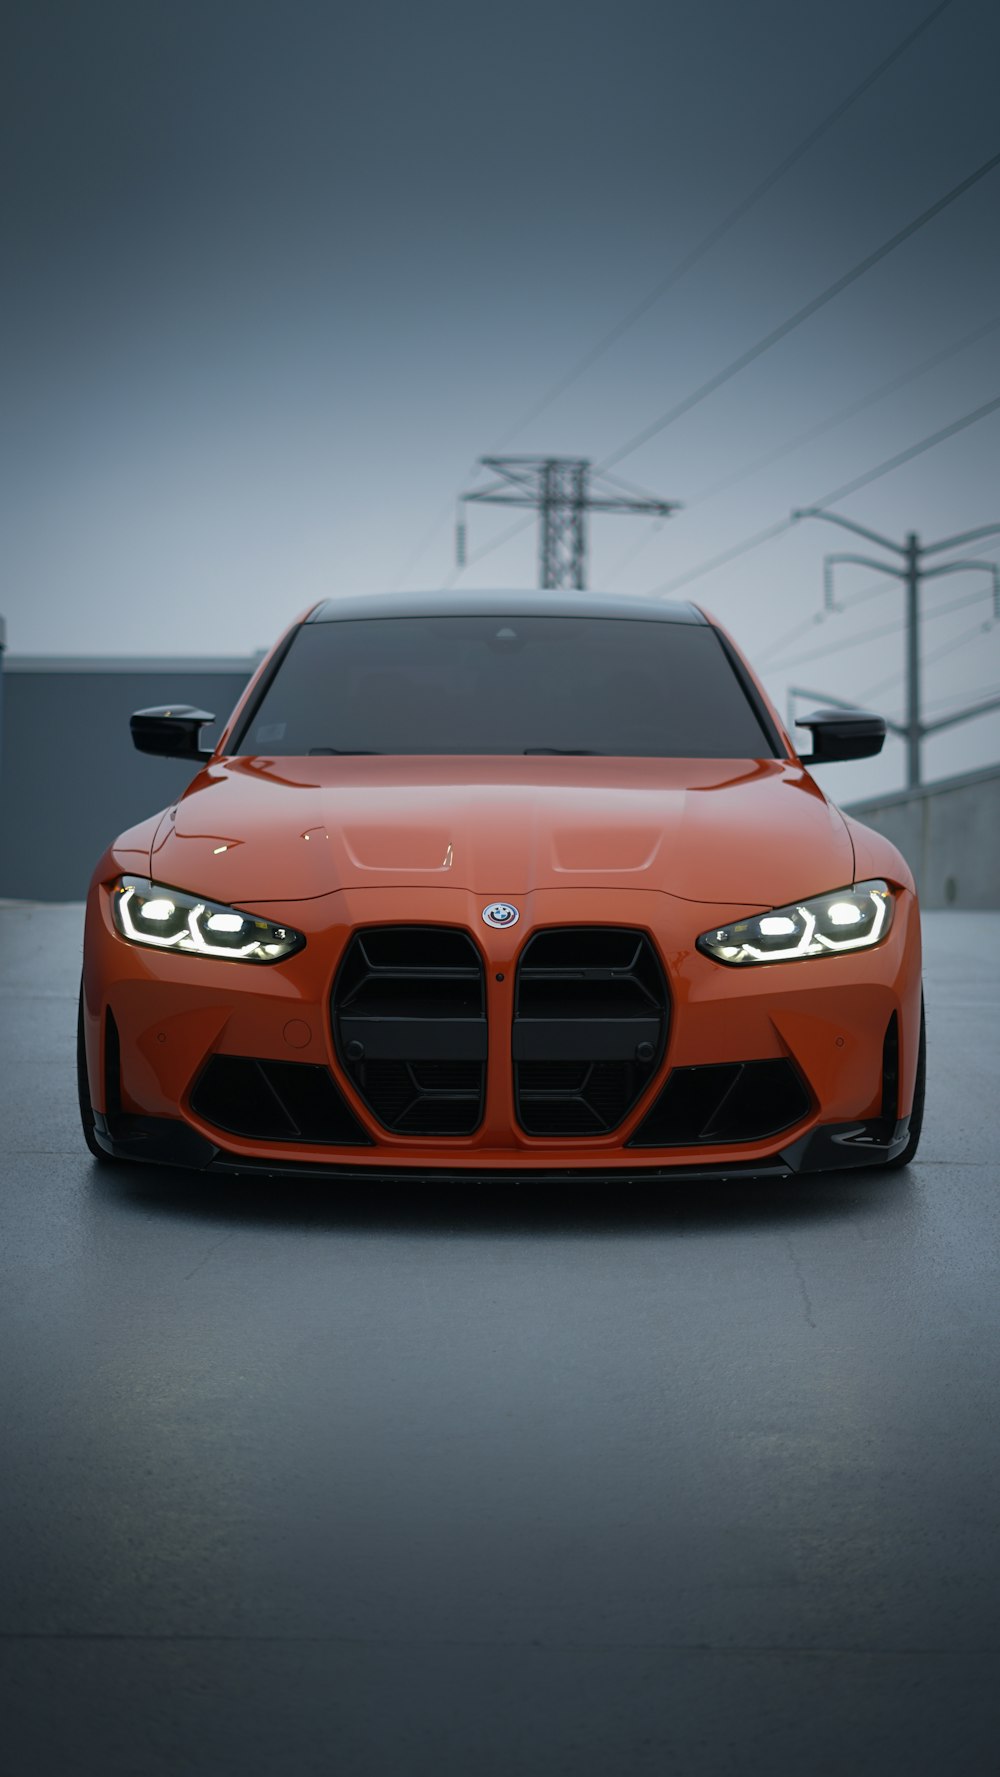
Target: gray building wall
[(70, 778), (949, 834)]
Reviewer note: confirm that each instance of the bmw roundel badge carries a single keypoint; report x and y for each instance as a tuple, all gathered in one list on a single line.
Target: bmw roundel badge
[(500, 914)]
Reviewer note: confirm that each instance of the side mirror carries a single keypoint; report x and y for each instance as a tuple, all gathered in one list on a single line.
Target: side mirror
[(172, 731), (842, 734)]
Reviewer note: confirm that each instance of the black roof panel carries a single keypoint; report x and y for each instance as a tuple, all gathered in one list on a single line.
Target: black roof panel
[(535, 603)]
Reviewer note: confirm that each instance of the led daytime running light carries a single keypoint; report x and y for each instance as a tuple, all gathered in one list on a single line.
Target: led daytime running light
[(203, 928), (855, 918)]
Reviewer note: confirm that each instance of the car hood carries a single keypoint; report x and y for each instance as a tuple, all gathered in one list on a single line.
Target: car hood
[(717, 830)]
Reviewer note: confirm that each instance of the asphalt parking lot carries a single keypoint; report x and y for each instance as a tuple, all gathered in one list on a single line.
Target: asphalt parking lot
[(298, 1482)]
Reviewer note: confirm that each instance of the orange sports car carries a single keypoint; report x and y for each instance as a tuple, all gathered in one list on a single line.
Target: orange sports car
[(503, 885)]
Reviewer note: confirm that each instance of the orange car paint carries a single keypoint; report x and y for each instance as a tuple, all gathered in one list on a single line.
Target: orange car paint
[(349, 842)]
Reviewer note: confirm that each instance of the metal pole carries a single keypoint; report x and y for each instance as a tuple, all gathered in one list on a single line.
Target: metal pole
[(575, 572), (561, 490), (913, 722), (913, 729), (546, 552)]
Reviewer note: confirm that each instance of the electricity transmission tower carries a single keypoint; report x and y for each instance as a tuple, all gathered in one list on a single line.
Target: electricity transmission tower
[(561, 491), (912, 573)]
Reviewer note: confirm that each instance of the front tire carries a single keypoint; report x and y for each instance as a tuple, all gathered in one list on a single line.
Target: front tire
[(919, 1088), (83, 1092)]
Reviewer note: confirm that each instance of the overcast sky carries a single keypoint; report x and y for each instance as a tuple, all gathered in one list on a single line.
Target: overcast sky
[(277, 275)]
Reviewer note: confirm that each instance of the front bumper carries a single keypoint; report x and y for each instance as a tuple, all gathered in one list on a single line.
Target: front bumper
[(830, 1147), (829, 1017)]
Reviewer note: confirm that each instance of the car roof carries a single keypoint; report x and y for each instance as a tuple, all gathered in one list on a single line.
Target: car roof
[(502, 603)]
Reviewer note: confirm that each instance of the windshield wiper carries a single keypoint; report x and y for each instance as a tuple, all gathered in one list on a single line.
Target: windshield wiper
[(566, 752), (345, 752)]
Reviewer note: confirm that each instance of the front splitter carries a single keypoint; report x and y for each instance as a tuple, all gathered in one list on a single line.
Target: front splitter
[(832, 1147)]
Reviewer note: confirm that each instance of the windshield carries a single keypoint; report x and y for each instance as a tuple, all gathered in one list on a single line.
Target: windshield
[(475, 684)]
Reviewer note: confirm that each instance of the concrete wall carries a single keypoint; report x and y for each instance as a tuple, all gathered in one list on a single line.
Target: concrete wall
[(70, 778), (949, 834)]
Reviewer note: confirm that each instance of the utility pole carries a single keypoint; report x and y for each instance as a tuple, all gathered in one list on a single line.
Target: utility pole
[(560, 489), (912, 573)]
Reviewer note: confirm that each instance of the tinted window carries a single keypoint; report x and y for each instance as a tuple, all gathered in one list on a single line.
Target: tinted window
[(507, 685)]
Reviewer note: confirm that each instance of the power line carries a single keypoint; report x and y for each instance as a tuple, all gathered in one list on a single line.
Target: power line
[(949, 647), (884, 684), (807, 437), (870, 635), (956, 642), (512, 530), (680, 271), (844, 413), (943, 703), (632, 487), (820, 616), (940, 703), (915, 450), (426, 538), (722, 228), (877, 590), (563, 491), (447, 511), (865, 596), (765, 660), (776, 530), (718, 561), (801, 315), (874, 635), (633, 550), (910, 569)]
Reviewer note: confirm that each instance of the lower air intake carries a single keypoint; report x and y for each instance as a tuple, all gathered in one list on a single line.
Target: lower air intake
[(275, 1101), (732, 1101)]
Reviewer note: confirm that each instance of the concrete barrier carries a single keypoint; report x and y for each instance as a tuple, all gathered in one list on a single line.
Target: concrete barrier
[(949, 834)]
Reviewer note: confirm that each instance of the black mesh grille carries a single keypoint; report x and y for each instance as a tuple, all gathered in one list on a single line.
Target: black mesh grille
[(727, 1102), (590, 1026), (275, 1101), (409, 1022)]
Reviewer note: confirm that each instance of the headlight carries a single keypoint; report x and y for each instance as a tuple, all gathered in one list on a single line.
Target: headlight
[(851, 919), (169, 919)]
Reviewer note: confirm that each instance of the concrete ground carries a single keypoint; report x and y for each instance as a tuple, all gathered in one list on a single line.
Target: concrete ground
[(385, 1484)]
